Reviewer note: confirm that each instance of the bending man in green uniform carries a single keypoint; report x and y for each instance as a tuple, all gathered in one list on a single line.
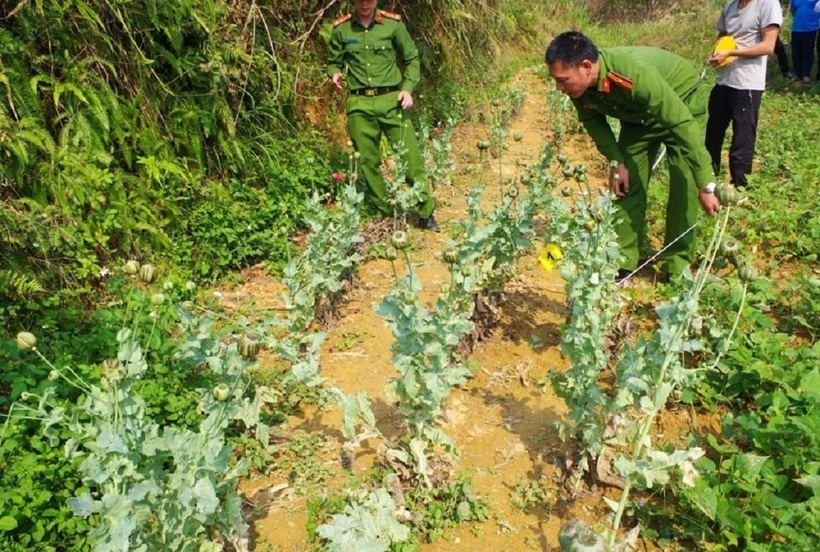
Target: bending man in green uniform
[(366, 46), (656, 96)]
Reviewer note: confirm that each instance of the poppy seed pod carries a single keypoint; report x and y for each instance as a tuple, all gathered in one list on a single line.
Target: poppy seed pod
[(399, 239)]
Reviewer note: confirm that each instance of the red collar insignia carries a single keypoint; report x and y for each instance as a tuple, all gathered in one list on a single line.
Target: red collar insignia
[(620, 80)]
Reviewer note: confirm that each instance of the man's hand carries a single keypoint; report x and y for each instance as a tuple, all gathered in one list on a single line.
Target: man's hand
[(338, 81), (619, 180), (405, 99), (709, 202), (718, 57)]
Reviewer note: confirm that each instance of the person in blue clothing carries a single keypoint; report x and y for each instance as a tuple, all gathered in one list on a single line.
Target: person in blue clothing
[(805, 25), (817, 75)]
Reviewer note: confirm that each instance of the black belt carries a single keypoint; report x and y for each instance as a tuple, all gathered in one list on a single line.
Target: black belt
[(374, 91)]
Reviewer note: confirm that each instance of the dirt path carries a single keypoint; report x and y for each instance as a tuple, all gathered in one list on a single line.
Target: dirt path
[(502, 420)]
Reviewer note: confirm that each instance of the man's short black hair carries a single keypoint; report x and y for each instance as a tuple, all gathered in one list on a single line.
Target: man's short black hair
[(571, 48)]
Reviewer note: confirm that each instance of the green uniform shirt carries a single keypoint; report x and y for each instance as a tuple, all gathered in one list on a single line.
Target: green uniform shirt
[(646, 86), (371, 55)]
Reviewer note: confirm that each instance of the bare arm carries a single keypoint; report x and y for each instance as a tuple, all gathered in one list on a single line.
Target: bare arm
[(763, 48)]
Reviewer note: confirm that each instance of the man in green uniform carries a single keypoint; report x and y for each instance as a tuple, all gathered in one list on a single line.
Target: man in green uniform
[(366, 47), (656, 96)]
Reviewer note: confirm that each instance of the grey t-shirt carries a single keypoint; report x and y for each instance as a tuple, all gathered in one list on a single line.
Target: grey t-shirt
[(746, 26)]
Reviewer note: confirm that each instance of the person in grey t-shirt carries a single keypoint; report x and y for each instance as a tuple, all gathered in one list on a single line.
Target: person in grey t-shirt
[(735, 99)]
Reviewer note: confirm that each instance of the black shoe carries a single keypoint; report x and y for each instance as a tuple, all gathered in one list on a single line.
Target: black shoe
[(429, 223)]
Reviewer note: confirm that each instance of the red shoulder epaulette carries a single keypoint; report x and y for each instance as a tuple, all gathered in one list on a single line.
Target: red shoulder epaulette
[(620, 80), (342, 19), (390, 15)]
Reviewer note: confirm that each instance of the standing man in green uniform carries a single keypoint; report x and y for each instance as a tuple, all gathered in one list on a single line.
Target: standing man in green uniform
[(656, 96), (365, 48)]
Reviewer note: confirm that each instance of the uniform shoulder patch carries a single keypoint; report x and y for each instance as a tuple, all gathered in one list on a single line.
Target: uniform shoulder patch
[(390, 15), (342, 19), (620, 80)]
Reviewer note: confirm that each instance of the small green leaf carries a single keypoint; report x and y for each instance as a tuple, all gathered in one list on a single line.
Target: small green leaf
[(723, 448), (205, 495), (108, 441), (810, 383), (812, 482), (535, 342), (463, 511), (613, 504), (82, 505), (706, 500), (748, 465), (7, 523)]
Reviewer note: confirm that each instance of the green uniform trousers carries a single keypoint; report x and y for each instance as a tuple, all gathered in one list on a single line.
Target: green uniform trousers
[(640, 146), (368, 117)]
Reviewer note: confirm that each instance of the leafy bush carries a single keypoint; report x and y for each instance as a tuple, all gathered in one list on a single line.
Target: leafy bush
[(135, 132), (445, 507), (35, 483), (35, 477), (144, 482), (175, 129)]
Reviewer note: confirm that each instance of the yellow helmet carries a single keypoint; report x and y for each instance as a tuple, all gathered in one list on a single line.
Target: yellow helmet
[(724, 44)]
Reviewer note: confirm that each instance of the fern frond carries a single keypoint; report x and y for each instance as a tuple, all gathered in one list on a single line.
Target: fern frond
[(83, 132), (4, 79), (21, 284), (19, 149), (21, 101), (35, 135), (62, 87), (91, 61), (226, 116), (108, 101), (98, 111), (89, 15)]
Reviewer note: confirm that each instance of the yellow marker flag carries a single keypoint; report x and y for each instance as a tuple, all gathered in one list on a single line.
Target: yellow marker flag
[(550, 256)]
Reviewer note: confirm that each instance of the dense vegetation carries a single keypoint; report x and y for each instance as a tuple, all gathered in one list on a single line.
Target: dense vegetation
[(195, 133), (122, 125)]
